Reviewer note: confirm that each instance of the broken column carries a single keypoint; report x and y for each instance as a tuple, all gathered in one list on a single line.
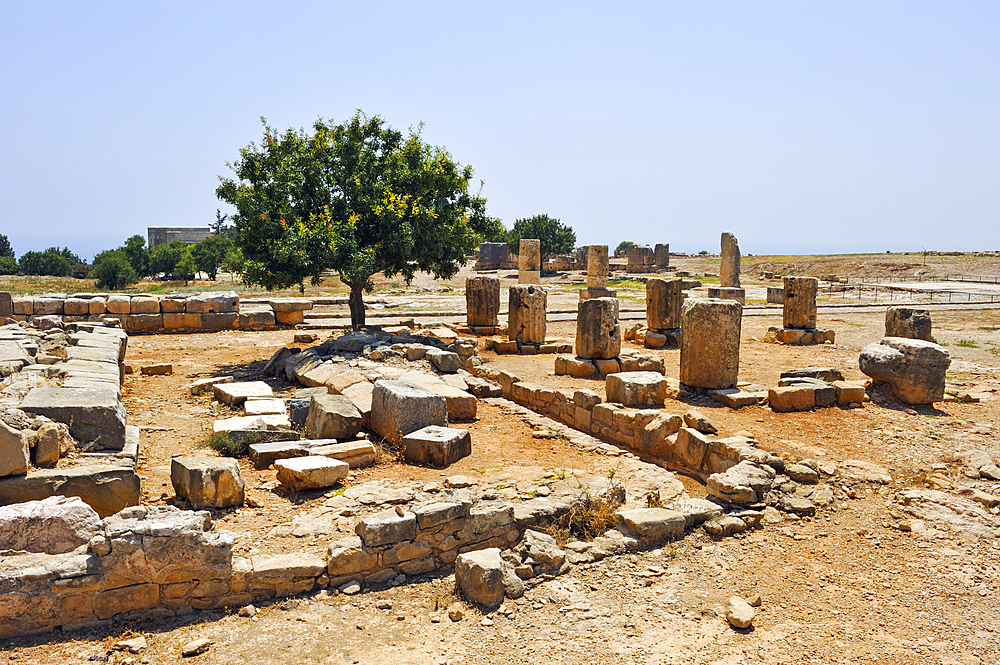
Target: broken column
[(914, 368), (800, 302), (661, 255), (529, 261), (908, 322), (526, 314), (729, 271), (597, 274), (664, 298), (640, 259), (482, 302), (710, 345), (597, 331)]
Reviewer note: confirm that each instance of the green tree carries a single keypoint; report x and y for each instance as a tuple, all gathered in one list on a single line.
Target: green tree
[(186, 266), (48, 262), (137, 254), (210, 253), (163, 259), (5, 248), (623, 247), (358, 197), (113, 270), (8, 265), (222, 226), (554, 237)]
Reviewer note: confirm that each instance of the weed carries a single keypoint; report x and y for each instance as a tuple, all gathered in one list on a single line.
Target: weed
[(653, 499), (673, 552), (994, 350), (222, 444), (967, 343), (990, 328), (561, 473)]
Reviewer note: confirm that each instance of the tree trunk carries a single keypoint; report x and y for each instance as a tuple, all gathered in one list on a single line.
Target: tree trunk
[(357, 304)]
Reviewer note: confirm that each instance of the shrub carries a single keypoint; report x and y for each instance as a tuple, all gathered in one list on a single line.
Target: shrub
[(48, 262), (113, 270), (8, 265)]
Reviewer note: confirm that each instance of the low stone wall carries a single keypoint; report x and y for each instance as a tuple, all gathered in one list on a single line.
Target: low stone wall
[(148, 314)]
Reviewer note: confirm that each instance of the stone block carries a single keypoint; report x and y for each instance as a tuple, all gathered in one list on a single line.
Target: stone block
[(332, 417), (256, 423), (729, 269), (437, 446), (797, 398), (6, 304), (23, 306), (361, 395), (597, 292), (691, 447), (849, 393), (355, 453), (106, 489), (213, 301), (144, 305), (349, 556), (710, 345), (597, 266), (597, 332), (664, 299), (137, 324), (207, 482), (640, 259), (202, 385), (607, 365), (182, 321), (291, 304), (908, 322), (119, 304), (799, 309), (54, 525), (387, 527), (568, 365), (171, 305), (44, 306), (444, 361), (14, 451), (529, 256), (263, 455), (76, 307), (526, 314), (653, 524), (156, 369), (482, 301), (913, 368), (480, 577), (220, 320), (93, 414), (257, 320), (734, 398), (775, 295), (728, 293), (636, 389), (311, 472), (399, 407), (234, 394), (313, 376), (262, 407), (292, 318)]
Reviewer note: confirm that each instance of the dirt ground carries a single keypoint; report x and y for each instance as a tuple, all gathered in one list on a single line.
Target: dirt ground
[(848, 585)]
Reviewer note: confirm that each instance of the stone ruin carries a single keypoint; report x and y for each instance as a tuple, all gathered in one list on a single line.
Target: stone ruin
[(493, 256), (526, 323), (729, 272), (799, 315), (529, 262), (598, 268), (641, 259), (482, 305), (908, 322)]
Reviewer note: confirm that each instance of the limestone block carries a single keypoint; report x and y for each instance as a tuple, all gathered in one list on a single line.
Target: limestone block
[(6, 304), (444, 361), (799, 310), (400, 407), (908, 322), (234, 394), (44, 306), (202, 385), (728, 293), (691, 447), (171, 305), (97, 306), (264, 406), (207, 482), (313, 376), (258, 423), (568, 365), (106, 489), (292, 318), (710, 345), (348, 556), (597, 266), (653, 524), (93, 414), (482, 300), (849, 393), (661, 255), (361, 395), (332, 417), (355, 453), (792, 398), (291, 304), (775, 295), (53, 440), (597, 332), (214, 301), (913, 368), (24, 306), (220, 320), (437, 446), (182, 322), (144, 305), (526, 314), (76, 307), (14, 450), (119, 304), (729, 270), (636, 389), (343, 380), (387, 527), (529, 256), (480, 577), (263, 455), (664, 299), (640, 259), (54, 525), (607, 365), (142, 323), (311, 472), (257, 320)]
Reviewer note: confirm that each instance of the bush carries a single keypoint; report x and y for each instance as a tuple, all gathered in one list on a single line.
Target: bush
[(45, 263), (222, 444), (113, 270), (8, 265)]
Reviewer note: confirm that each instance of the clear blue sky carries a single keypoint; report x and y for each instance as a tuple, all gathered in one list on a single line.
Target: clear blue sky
[(802, 127)]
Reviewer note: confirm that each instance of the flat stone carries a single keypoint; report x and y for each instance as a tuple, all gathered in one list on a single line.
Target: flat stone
[(333, 417), (312, 472), (234, 394), (654, 524), (636, 389), (399, 408), (105, 489), (260, 407), (94, 414), (437, 446), (202, 385), (14, 451), (355, 453), (263, 455), (387, 527)]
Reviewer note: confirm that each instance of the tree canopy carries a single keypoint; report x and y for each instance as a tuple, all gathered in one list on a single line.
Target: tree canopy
[(211, 253), (554, 237), (113, 269), (359, 198), (623, 247), (53, 261), (5, 248)]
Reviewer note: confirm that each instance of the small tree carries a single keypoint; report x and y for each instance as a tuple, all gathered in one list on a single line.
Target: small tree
[(8, 265), (623, 247), (554, 237), (222, 226), (210, 253), (186, 266), (113, 270), (164, 258), (48, 262), (5, 248), (137, 254)]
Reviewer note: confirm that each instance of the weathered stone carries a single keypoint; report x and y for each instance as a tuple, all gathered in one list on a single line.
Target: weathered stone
[(6, 304), (310, 473), (729, 269), (234, 394), (444, 361), (355, 453), (14, 451), (664, 299), (849, 393), (387, 527), (529, 261), (607, 366), (801, 473), (275, 421), (263, 407), (430, 515), (290, 304), (597, 331), (795, 398), (144, 305), (212, 301), (799, 310), (568, 365), (597, 266), (313, 376), (93, 414), (710, 346), (482, 301), (53, 440), (437, 446), (54, 525), (914, 369), (908, 322), (654, 524), (349, 556), (207, 482), (257, 320), (636, 389), (741, 484), (332, 417), (828, 374), (156, 369), (263, 455), (400, 407), (640, 259), (203, 385), (526, 314), (106, 489), (661, 255), (739, 613), (480, 576)]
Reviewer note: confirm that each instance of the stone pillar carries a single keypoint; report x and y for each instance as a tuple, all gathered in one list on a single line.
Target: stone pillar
[(899, 322), (529, 262), (640, 258), (597, 266), (710, 345), (526, 314), (597, 331), (661, 255), (6, 305), (729, 272), (664, 299), (482, 301), (800, 302)]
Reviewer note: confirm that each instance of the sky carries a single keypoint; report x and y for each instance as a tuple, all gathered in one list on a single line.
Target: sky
[(801, 127)]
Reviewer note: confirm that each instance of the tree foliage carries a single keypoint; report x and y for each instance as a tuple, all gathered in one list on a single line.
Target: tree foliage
[(623, 247), (554, 237), (209, 254), (51, 262), (5, 248), (163, 259), (113, 270), (8, 265), (357, 197), (137, 254)]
